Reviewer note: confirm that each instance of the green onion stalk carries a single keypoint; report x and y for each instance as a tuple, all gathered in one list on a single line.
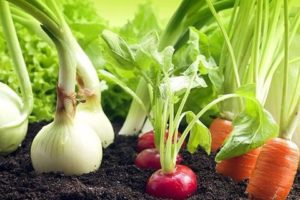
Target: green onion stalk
[(14, 109), (89, 110), (67, 144)]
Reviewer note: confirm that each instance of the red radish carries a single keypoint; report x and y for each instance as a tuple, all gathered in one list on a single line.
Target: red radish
[(178, 185), (146, 140), (150, 159), (220, 130)]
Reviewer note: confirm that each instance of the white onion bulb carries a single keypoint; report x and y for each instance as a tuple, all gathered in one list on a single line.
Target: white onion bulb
[(69, 147), (98, 121)]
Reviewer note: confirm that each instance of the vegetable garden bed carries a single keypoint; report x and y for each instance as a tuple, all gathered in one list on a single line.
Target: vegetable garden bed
[(118, 177), (234, 61)]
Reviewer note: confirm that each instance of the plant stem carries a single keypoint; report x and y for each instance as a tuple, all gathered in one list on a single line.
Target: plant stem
[(227, 42), (200, 113), (167, 165), (295, 60), (66, 98), (174, 27), (87, 71), (197, 15), (286, 68), (57, 25), (108, 76), (48, 22), (288, 134), (33, 26), (233, 18), (136, 115), (278, 59), (189, 13), (295, 100), (17, 57), (256, 46), (184, 99), (171, 121), (269, 46), (197, 19)]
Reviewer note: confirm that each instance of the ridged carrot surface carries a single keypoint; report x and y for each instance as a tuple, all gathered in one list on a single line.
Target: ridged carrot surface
[(274, 173), (239, 168), (219, 129), (296, 139)]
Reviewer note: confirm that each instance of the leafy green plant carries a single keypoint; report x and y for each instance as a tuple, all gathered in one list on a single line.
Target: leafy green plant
[(176, 34), (169, 85)]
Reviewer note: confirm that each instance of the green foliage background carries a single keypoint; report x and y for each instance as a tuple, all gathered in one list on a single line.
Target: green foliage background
[(87, 24)]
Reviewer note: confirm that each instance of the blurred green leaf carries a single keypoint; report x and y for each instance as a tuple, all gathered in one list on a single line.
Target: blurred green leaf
[(199, 135)]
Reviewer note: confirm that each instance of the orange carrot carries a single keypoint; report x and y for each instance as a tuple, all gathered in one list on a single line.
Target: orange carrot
[(239, 168), (219, 129), (274, 173)]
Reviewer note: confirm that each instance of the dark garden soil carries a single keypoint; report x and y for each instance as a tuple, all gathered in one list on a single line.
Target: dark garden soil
[(118, 178)]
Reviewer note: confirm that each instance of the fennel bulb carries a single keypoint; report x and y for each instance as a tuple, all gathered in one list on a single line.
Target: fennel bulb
[(13, 123)]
